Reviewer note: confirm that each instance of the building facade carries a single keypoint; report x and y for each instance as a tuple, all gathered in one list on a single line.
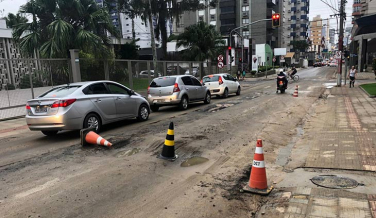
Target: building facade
[(295, 22), (316, 27)]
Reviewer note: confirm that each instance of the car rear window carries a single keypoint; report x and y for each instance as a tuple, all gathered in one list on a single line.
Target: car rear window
[(60, 92), (163, 82), (210, 79)]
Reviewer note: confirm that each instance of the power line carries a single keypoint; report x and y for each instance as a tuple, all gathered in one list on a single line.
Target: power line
[(329, 5)]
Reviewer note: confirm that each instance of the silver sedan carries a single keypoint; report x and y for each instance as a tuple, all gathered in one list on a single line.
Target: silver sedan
[(86, 104)]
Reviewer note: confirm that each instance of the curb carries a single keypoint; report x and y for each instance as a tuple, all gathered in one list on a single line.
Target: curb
[(12, 118), (369, 95)]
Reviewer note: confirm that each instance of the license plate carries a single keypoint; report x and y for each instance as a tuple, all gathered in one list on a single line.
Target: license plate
[(42, 109)]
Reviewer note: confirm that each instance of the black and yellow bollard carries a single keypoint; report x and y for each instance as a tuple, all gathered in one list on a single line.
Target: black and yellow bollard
[(168, 151)]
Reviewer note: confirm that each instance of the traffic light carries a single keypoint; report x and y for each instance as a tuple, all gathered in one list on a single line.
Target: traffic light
[(240, 60), (229, 48), (276, 18)]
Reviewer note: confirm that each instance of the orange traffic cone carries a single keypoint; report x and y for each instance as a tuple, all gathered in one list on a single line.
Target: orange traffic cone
[(90, 137), (257, 182), (296, 92)]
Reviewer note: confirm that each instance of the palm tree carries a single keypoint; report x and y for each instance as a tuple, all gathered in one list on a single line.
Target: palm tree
[(202, 42), (60, 25), (15, 19)]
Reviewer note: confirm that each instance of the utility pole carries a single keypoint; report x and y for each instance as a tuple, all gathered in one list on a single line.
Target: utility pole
[(153, 46), (340, 42)]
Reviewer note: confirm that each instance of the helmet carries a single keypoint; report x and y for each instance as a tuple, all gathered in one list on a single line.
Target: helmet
[(281, 71)]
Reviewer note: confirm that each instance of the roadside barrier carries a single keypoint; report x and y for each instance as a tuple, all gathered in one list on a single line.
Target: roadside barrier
[(295, 92), (90, 137), (168, 152), (257, 182)]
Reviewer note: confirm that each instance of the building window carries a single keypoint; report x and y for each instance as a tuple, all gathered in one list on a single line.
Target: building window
[(212, 17), (246, 33), (127, 24), (245, 8), (245, 2), (227, 10), (245, 21), (201, 18)]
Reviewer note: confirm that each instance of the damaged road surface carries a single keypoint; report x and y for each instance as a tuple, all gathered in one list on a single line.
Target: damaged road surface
[(57, 177)]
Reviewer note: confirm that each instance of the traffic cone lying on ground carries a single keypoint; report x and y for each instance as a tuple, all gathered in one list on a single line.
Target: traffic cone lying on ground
[(168, 151), (296, 92), (257, 182), (90, 137)]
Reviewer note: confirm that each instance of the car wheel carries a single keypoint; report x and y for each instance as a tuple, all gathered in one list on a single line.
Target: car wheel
[(238, 92), (49, 133), (143, 113), (225, 93), (154, 108), (183, 105), (207, 98), (92, 120)]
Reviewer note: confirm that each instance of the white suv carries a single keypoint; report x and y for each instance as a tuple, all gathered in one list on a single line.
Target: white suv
[(221, 84)]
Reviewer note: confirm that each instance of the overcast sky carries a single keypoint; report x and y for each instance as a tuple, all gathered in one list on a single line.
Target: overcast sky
[(317, 7)]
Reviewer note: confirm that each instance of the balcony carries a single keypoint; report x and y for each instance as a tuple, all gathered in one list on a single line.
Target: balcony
[(293, 26), (304, 17), (305, 8), (292, 34), (303, 34), (293, 9), (293, 17)]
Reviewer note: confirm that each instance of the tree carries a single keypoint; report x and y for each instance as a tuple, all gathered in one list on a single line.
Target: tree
[(202, 42), (300, 45), (15, 19), (60, 25), (127, 51)]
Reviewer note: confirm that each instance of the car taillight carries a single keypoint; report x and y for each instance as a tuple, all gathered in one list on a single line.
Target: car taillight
[(280, 82), (220, 81), (63, 103), (176, 88), (28, 107), (148, 90)]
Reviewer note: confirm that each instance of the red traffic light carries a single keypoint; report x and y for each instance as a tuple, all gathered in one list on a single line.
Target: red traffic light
[(277, 16), (276, 20), (274, 16), (229, 48)]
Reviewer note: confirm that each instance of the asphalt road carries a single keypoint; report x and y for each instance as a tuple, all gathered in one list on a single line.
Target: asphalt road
[(56, 177)]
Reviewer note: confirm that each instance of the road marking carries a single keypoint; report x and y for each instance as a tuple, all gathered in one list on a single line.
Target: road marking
[(38, 188)]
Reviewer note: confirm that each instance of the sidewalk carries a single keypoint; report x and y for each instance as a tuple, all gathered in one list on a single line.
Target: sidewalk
[(339, 139)]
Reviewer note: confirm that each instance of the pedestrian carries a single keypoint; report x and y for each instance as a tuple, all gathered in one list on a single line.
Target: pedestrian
[(352, 76)]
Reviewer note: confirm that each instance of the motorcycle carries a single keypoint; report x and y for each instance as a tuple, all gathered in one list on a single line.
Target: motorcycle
[(281, 84)]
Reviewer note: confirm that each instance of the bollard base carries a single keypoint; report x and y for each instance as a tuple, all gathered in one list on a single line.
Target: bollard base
[(168, 158), (257, 191)]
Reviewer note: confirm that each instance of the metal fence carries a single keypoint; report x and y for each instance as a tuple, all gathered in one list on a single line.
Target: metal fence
[(24, 79)]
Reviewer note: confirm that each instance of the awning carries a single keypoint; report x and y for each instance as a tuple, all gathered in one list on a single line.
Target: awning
[(289, 55)]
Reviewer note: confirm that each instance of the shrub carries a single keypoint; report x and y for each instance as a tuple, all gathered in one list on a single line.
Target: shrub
[(374, 64), (10, 87)]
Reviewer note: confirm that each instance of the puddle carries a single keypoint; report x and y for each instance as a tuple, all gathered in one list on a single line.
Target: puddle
[(128, 152), (194, 161), (284, 153)]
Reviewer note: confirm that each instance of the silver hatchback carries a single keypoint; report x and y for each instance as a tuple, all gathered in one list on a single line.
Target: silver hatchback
[(176, 90), (86, 104)]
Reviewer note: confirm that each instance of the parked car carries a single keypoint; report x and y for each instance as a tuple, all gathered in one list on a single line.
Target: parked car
[(317, 64), (175, 70), (176, 90), (195, 72), (144, 74), (333, 64), (86, 104), (221, 84)]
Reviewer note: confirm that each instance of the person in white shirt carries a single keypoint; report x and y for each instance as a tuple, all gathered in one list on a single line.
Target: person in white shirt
[(352, 76)]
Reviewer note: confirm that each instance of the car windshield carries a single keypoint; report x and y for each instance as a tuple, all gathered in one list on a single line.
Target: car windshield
[(210, 79), (163, 82), (59, 92)]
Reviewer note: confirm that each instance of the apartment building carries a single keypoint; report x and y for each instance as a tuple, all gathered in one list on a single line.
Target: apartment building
[(316, 36), (295, 22), (363, 7)]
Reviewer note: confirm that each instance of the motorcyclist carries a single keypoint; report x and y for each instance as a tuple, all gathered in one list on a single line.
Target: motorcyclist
[(282, 76)]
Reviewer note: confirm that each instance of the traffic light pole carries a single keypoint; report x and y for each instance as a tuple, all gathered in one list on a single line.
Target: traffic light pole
[(257, 21)]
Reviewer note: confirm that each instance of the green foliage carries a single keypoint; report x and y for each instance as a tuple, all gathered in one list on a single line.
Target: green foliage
[(60, 25), (10, 86), (172, 37), (13, 20), (374, 64), (300, 45), (202, 42), (25, 82), (127, 51)]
